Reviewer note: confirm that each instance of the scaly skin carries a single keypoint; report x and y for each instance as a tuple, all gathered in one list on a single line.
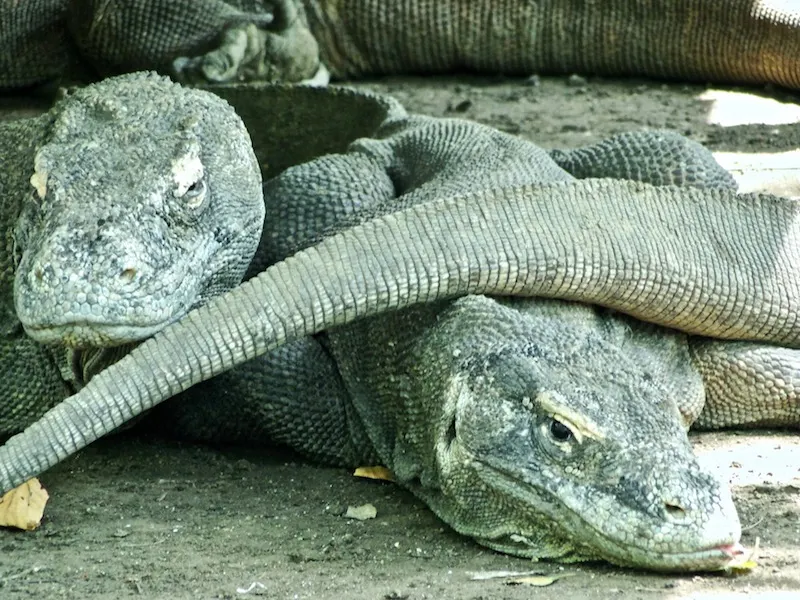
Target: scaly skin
[(503, 433), (110, 254), (741, 41), (209, 41), (99, 254), (737, 41)]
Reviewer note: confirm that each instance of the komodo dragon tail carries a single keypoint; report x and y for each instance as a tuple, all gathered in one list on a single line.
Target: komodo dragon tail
[(708, 262), (740, 41)]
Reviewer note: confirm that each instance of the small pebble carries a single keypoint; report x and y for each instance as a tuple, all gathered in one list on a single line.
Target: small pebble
[(576, 81), (533, 81)]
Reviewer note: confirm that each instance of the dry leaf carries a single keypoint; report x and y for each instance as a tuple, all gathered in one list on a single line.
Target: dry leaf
[(23, 506), (537, 580), (381, 473), (740, 568), (744, 563), (487, 575), (362, 513)]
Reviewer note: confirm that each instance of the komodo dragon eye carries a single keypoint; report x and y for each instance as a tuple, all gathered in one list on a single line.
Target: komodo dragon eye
[(555, 437), (195, 194), (559, 431)]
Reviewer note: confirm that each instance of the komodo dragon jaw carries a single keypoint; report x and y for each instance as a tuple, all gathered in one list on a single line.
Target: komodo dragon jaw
[(111, 255)]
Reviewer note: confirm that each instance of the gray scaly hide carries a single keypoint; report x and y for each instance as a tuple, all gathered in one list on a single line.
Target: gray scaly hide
[(127, 205), (441, 393), (543, 429), (131, 202), (213, 41)]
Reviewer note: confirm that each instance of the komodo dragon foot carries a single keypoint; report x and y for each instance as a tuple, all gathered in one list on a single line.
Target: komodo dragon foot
[(282, 50)]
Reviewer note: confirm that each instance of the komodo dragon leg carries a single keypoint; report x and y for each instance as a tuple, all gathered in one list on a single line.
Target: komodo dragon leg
[(285, 51), (209, 41)]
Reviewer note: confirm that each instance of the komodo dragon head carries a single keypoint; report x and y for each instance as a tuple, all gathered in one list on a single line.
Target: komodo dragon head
[(145, 201), (545, 429)]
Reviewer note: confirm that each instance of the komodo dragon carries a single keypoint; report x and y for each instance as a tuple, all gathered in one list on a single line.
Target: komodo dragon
[(740, 41), (186, 254), (538, 428)]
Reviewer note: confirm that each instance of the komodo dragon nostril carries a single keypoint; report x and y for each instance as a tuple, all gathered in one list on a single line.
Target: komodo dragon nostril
[(675, 512)]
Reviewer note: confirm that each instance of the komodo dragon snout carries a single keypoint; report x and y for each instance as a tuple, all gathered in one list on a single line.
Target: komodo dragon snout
[(143, 205)]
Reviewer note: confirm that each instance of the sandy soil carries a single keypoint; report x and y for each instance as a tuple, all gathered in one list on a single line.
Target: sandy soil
[(137, 517)]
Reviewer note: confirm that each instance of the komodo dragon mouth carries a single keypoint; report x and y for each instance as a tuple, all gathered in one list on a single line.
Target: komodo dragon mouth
[(95, 314), (87, 334), (594, 539), (92, 314), (713, 558)]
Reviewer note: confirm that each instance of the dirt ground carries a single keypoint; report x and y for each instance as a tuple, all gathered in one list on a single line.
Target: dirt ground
[(140, 517)]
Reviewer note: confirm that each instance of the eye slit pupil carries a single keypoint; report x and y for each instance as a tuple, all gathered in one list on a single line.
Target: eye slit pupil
[(560, 431), (195, 188)]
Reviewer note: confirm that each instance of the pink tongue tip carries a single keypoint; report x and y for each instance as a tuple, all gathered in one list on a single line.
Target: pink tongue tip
[(733, 550)]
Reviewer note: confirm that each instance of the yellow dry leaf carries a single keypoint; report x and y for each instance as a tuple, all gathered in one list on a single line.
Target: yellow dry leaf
[(23, 506), (381, 473), (745, 563), (741, 568)]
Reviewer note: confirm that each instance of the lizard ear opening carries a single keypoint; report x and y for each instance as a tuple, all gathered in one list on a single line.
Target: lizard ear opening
[(451, 433)]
